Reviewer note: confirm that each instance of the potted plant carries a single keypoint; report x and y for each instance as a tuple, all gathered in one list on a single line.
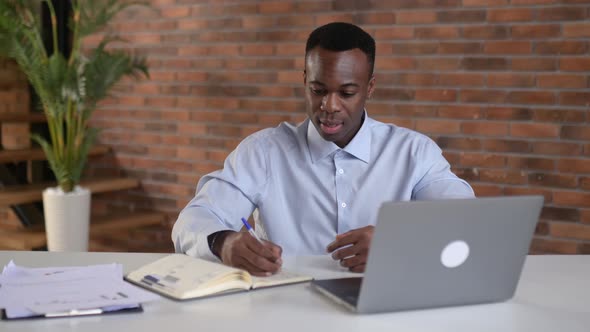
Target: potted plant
[(69, 87)]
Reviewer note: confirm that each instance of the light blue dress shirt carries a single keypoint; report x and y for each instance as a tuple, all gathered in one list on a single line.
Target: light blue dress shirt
[(308, 190)]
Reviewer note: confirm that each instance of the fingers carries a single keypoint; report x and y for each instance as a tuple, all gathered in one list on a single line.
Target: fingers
[(361, 236), (244, 251), (342, 240), (262, 257), (352, 248)]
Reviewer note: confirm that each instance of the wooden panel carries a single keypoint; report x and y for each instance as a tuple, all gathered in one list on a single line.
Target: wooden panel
[(33, 192), (34, 237), (7, 156)]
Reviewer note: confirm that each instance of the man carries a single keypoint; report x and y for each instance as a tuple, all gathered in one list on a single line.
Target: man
[(317, 186)]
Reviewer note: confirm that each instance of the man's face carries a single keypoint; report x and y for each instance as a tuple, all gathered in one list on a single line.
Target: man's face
[(336, 87)]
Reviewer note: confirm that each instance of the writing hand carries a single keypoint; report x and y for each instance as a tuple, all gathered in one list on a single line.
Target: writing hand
[(241, 250), (352, 248)]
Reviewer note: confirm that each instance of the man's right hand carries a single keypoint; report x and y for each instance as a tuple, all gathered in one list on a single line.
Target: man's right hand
[(241, 250)]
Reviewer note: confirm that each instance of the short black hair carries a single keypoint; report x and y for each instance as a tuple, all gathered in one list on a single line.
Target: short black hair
[(341, 36)]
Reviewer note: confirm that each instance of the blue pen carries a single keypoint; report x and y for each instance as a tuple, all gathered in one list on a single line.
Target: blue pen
[(251, 231)]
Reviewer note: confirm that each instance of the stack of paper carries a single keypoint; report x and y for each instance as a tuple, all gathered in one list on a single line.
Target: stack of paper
[(65, 291)]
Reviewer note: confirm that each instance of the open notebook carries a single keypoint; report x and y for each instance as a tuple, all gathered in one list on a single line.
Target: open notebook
[(182, 277)]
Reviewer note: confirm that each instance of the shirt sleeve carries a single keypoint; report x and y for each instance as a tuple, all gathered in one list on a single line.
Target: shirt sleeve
[(222, 198), (437, 180)]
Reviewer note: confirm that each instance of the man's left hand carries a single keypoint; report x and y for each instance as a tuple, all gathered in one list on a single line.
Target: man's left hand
[(352, 248)]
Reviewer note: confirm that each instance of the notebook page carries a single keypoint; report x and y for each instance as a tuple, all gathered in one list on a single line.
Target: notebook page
[(182, 276), (283, 277)]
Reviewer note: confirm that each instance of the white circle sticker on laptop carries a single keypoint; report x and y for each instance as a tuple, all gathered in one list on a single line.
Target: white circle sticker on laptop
[(454, 254)]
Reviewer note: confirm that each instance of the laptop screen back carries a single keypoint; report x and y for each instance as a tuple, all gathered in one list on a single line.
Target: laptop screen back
[(447, 252)]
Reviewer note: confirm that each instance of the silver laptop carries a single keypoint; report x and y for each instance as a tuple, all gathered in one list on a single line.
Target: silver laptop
[(427, 254)]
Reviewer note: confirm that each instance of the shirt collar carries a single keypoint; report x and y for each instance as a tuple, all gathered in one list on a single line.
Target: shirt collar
[(359, 146)]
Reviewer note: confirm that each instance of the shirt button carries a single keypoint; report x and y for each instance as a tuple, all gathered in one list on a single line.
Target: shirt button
[(343, 204), (341, 171)]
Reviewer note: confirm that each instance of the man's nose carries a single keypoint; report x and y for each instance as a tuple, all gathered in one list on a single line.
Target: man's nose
[(331, 103)]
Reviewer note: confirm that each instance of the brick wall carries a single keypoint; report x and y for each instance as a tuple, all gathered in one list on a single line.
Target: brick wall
[(501, 85), (14, 98)]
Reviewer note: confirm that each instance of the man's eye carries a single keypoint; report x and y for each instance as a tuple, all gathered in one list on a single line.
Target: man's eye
[(319, 92), (347, 94)]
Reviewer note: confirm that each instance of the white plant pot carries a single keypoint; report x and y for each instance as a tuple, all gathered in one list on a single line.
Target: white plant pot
[(67, 219)]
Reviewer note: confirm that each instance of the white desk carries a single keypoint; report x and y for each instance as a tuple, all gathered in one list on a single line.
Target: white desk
[(553, 295)]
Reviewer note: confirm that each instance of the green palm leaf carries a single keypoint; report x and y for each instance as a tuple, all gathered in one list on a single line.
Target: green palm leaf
[(69, 88)]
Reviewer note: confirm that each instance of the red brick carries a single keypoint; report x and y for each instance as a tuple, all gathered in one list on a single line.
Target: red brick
[(461, 16), (542, 228), (533, 2), (275, 7), (420, 79), (414, 111), (457, 143), (393, 32), (557, 148), (561, 47), (536, 31), (258, 22), (510, 80), (569, 230), (438, 64), (585, 216), (395, 94), (575, 64), (563, 81), (459, 112), (461, 79), (322, 19), (437, 126), (175, 12), (553, 180), (577, 166), (459, 48), (575, 132), (437, 32), (258, 49), (482, 96), (485, 128), (375, 18), (519, 162), (559, 115), (585, 183), (467, 174), (503, 176), (560, 14), (451, 157), (531, 97), (436, 95), (469, 63), (519, 191), (504, 145), (415, 17), (508, 113), (552, 246), (559, 213), (482, 190), (510, 15), (576, 30), (507, 47), (575, 98), (484, 3), (395, 63), (414, 48), (533, 64), (192, 76), (485, 32), (295, 21), (290, 77), (476, 159)]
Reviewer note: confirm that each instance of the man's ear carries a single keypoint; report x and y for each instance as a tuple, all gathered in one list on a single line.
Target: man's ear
[(371, 86), (304, 77)]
